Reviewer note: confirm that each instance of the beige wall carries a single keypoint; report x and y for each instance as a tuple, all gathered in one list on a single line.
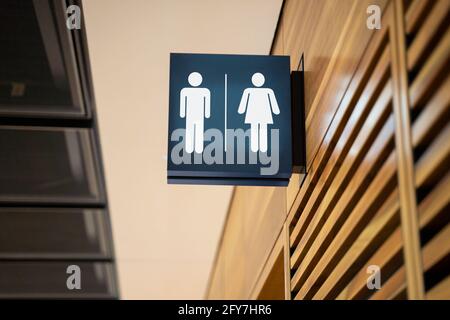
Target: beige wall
[(165, 236)]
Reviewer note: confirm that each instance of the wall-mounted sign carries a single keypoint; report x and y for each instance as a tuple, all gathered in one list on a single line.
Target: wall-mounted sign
[(229, 120)]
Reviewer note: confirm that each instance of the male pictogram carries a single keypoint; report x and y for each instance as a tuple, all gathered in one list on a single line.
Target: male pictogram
[(195, 106)]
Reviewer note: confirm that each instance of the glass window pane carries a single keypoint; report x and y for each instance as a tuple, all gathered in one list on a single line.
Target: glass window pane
[(39, 74), (49, 165), (49, 280), (50, 233)]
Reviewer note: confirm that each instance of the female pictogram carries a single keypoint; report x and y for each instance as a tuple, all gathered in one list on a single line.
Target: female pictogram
[(258, 104)]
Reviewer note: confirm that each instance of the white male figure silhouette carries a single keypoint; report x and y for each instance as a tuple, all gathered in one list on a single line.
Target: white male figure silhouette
[(258, 104), (195, 105)]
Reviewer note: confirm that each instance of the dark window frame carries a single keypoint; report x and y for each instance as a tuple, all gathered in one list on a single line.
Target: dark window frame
[(72, 46)]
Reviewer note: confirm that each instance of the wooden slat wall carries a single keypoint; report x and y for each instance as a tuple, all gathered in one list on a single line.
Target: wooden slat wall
[(428, 64), (353, 209)]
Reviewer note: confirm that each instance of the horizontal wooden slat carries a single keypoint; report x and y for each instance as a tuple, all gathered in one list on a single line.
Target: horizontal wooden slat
[(354, 193), (386, 219), (394, 287), (414, 14), (304, 193), (438, 199), (358, 151), (293, 188), (436, 110), (435, 156), (441, 291), (354, 224), (375, 152), (388, 255), (437, 249), (320, 156), (427, 31), (434, 65), (352, 127)]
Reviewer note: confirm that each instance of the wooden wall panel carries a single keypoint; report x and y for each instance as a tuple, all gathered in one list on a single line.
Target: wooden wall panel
[(332, 49), (217, 281), (428, 66), (254, 222), (304, 24), (270, 283), (350, 212)]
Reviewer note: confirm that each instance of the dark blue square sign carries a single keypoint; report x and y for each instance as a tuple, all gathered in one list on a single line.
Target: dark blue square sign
[(229, 120)]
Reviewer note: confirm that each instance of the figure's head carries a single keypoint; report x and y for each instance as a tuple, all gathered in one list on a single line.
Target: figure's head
[(258, 79), (195, 79)]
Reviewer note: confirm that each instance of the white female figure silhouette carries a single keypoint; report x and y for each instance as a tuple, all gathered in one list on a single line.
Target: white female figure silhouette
[(258, 104)]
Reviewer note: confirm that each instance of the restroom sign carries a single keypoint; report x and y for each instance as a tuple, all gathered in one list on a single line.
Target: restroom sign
[(229, 120)]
